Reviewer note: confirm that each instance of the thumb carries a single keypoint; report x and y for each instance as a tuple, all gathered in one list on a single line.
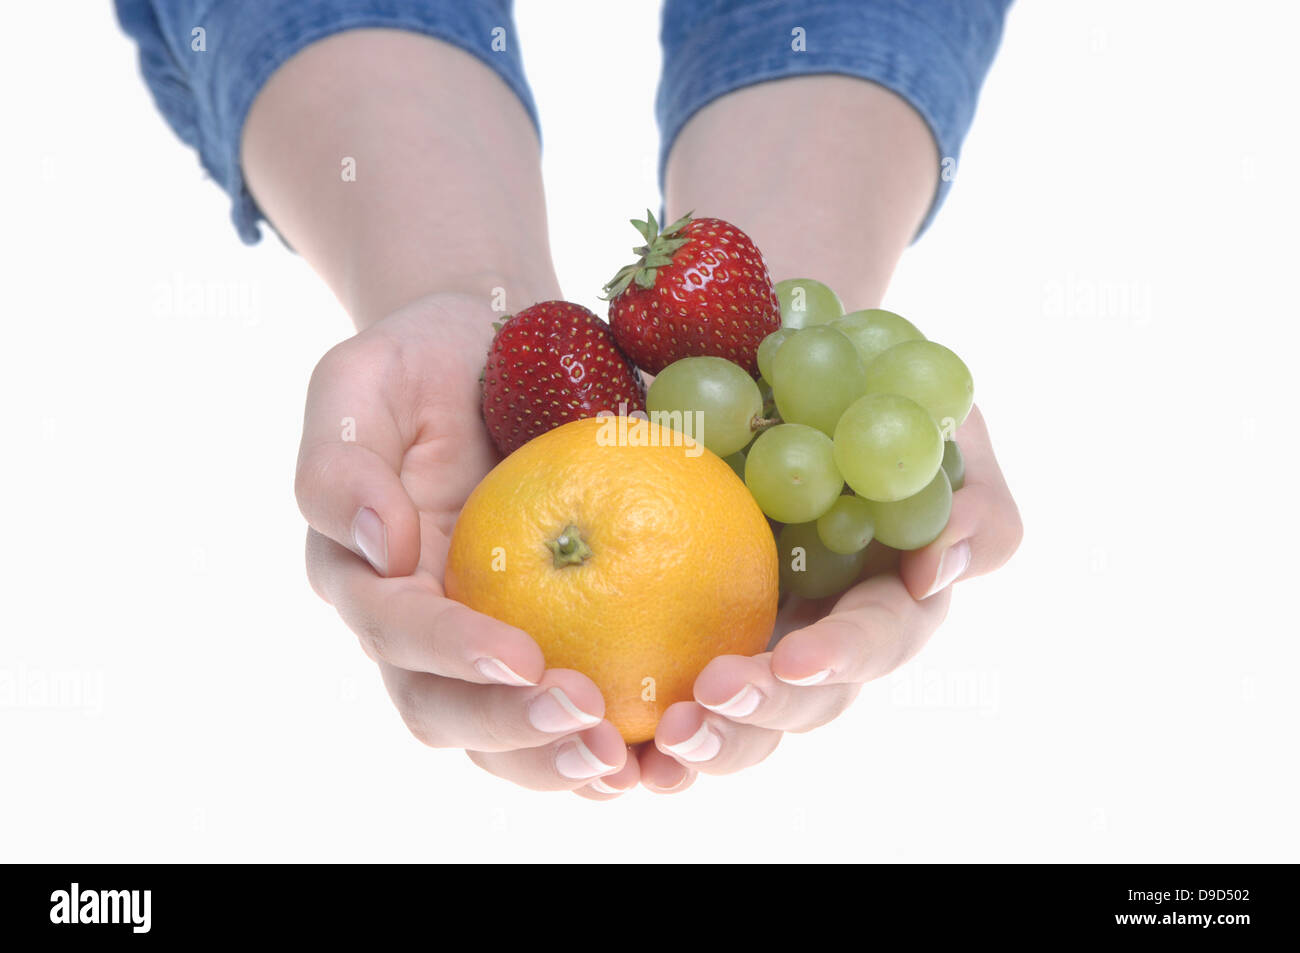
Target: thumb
[(984, 528), (352, 495), (347, 482), (982, 533)]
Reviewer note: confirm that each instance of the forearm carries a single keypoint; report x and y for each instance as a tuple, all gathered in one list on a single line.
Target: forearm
[(447, 194), (830, 175)]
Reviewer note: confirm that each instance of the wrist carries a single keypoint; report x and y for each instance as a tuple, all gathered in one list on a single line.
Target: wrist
[(499, 291)]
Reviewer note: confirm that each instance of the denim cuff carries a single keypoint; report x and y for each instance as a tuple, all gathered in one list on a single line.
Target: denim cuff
[(933, 53), (205, 94)]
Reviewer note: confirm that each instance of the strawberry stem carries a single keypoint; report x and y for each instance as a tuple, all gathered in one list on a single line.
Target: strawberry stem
[(658, 251)]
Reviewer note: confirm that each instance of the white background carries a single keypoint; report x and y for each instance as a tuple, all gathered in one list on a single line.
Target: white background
[(1116, 263)]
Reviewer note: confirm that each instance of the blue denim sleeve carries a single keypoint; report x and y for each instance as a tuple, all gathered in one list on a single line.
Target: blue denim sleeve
[(205, 61), (932, 53)]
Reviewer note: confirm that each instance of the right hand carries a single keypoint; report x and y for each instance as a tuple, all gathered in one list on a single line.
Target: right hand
[(393, 443)]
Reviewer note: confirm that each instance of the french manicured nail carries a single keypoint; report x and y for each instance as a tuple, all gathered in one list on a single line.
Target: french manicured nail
[(495, 670), (682, 782), (701, 746), (816, 678), (371, 537), (952, 564), (740, 705), (575, 760), (600, 785), (552, 711)]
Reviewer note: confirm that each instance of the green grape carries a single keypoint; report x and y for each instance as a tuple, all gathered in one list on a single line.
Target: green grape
[(805, 302), (716, 400), (847, 526), (809, 569), (916, 521), (737, 462), (954, 464), (767, 350), (815, 375), (875, 331), (929, 374), (887, 447), (790, 471)]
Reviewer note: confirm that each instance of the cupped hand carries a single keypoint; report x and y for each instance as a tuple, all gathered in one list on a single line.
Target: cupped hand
[(393, 443), (829, 648)]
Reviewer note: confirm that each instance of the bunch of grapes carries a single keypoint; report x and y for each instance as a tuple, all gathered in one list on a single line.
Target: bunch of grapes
[(848, 436)]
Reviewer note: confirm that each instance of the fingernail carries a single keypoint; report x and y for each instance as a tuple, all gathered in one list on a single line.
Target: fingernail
[(740, 705), (575, 760), (600, 785), (371, 537), (952, 564), (552, 711), (701, 746), (495, 670), (681, 783), (816, 678)]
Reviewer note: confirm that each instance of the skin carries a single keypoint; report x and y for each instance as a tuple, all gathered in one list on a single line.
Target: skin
[(418, 260), (862, 167)]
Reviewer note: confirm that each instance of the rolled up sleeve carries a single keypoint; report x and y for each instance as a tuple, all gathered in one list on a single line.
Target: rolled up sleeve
[(205, 61), (932, 53)]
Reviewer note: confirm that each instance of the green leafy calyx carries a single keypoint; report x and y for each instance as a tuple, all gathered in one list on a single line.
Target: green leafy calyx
[(658, 251)]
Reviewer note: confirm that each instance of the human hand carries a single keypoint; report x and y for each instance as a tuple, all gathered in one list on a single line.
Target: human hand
[(743, 705), (393, 443)]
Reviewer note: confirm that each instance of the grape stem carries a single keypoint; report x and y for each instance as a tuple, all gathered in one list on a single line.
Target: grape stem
[(759, 423)]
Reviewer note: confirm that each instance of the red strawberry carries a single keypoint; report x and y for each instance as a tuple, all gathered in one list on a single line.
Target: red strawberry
[(700, 288), (552, 363)]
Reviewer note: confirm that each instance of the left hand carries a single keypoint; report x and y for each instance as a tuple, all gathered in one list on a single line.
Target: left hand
[(834, 646)]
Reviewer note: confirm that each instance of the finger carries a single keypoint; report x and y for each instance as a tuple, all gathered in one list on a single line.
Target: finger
[(875, 627), (610, 786), (745, 691), (408, 624), (347, 481), (448, 713), (566, 764), (984, 529), (796, 612), (709, 743), (662, 773)]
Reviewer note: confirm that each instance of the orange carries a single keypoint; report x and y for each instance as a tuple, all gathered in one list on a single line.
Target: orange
[(627, 556)]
